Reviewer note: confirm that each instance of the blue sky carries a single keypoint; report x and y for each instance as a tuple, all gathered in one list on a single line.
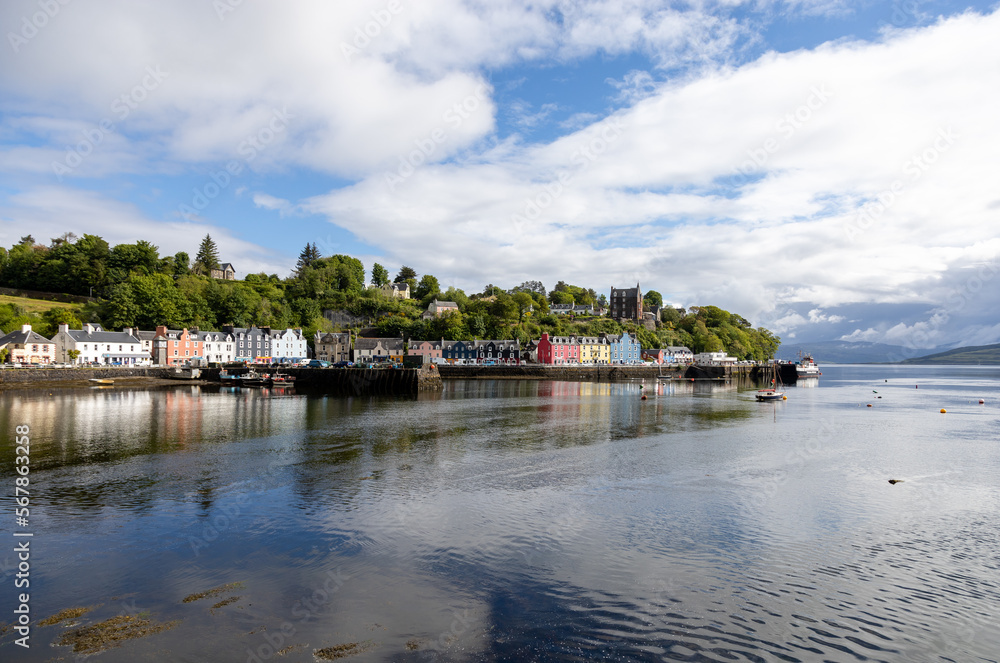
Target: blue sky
[(824, 168)]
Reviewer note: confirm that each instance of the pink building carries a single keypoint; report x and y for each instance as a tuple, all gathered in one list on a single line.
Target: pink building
[(428, 349), (558, 350)]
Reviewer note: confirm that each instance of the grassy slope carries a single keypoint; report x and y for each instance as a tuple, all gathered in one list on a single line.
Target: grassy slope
[(35, 305), (981, 354)]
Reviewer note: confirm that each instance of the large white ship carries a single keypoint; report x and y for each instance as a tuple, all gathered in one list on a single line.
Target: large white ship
[(807, 368)]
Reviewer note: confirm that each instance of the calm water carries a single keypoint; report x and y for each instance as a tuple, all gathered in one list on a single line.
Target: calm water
[(522, 521)]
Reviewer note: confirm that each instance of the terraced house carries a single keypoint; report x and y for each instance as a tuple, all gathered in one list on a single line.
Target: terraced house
[(378, 349), (459, 351), (28, 347), (498, 352), (175, 347), (251, 344), (428, 349), (595, 350), (332, 346), (218, 347), (98, 346), (625, 348), (558, 350), (288, 345)]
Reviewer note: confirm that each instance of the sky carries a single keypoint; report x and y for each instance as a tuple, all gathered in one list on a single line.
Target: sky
[(826, 169)]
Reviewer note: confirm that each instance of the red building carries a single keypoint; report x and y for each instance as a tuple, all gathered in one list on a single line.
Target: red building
[(558, 350)]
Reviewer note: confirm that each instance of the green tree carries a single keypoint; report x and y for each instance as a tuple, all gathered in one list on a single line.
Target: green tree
[(207, 258), (524, 303), (380, 275), (652, 298), (307, 257), (405, 274), (427, 287), (4, 353)]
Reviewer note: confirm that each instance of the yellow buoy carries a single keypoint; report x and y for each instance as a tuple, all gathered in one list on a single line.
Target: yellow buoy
[(943, 410), (784, 398)]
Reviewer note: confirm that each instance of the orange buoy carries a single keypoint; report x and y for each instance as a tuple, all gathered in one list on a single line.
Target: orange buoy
[(643, 397), (869, 405), (981, 401), (943, 410), (784, 398)]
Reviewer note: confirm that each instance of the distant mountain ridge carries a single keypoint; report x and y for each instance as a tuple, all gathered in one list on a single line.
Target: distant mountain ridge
[(850, 352), (975, 354)]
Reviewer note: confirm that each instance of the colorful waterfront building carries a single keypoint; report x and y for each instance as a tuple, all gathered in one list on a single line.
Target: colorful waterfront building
[(96, 346), (625, 348), (594, 350), (498, 352), (332, 346), (28, 347), (558, 350)]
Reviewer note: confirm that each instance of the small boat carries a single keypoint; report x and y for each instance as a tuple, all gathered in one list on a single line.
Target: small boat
[(185, 373), (228, 378), (806, 367), (255, 379), (771, 393), (280, 379), (101, 380)]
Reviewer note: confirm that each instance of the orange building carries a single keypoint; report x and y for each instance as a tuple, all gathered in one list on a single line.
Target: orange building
[(172, 347)]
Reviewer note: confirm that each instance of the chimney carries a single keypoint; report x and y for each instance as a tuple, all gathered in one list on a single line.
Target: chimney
[(161, 330), (63, 328), (25, 329), (89, 328)]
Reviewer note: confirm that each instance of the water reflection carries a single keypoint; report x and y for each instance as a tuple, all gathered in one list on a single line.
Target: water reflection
[(524, 520)]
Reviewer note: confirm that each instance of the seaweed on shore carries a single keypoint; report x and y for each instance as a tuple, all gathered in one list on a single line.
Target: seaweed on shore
[(343, 650), (68, 614), (210, 593), (111, 633)]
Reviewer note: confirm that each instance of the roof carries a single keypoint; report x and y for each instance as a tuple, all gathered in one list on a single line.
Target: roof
[(81, 336), (333, 337), (371, 343), (22, 337), (439, 304), (227, 265), (677, 348)]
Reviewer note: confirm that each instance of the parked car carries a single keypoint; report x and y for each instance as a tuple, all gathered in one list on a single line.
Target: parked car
[(318, 363), (343, 364)]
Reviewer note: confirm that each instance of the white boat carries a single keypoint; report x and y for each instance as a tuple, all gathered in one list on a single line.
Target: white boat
[(771, 393), (807, 368)]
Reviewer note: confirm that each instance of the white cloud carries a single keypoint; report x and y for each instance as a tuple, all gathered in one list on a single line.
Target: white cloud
[(49, 212), (266, 201)]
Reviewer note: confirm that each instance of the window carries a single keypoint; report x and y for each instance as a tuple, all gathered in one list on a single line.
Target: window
[(175, 352), (186, 353), (119, 348)]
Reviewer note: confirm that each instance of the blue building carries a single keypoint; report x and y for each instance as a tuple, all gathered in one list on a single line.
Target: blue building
[(625, 348)]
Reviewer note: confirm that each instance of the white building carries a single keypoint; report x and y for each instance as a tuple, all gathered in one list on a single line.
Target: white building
[(679, 354), (98, 346), (218, 347), (713, 359), (288, 345)]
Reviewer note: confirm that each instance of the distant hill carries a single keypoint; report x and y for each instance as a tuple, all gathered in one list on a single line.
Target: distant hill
[(979, 354), (847, 352)]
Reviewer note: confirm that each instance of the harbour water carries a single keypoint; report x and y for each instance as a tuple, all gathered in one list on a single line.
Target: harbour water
[(517, 521)]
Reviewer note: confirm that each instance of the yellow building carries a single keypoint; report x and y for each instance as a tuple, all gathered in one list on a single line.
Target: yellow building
[(594, 350)]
